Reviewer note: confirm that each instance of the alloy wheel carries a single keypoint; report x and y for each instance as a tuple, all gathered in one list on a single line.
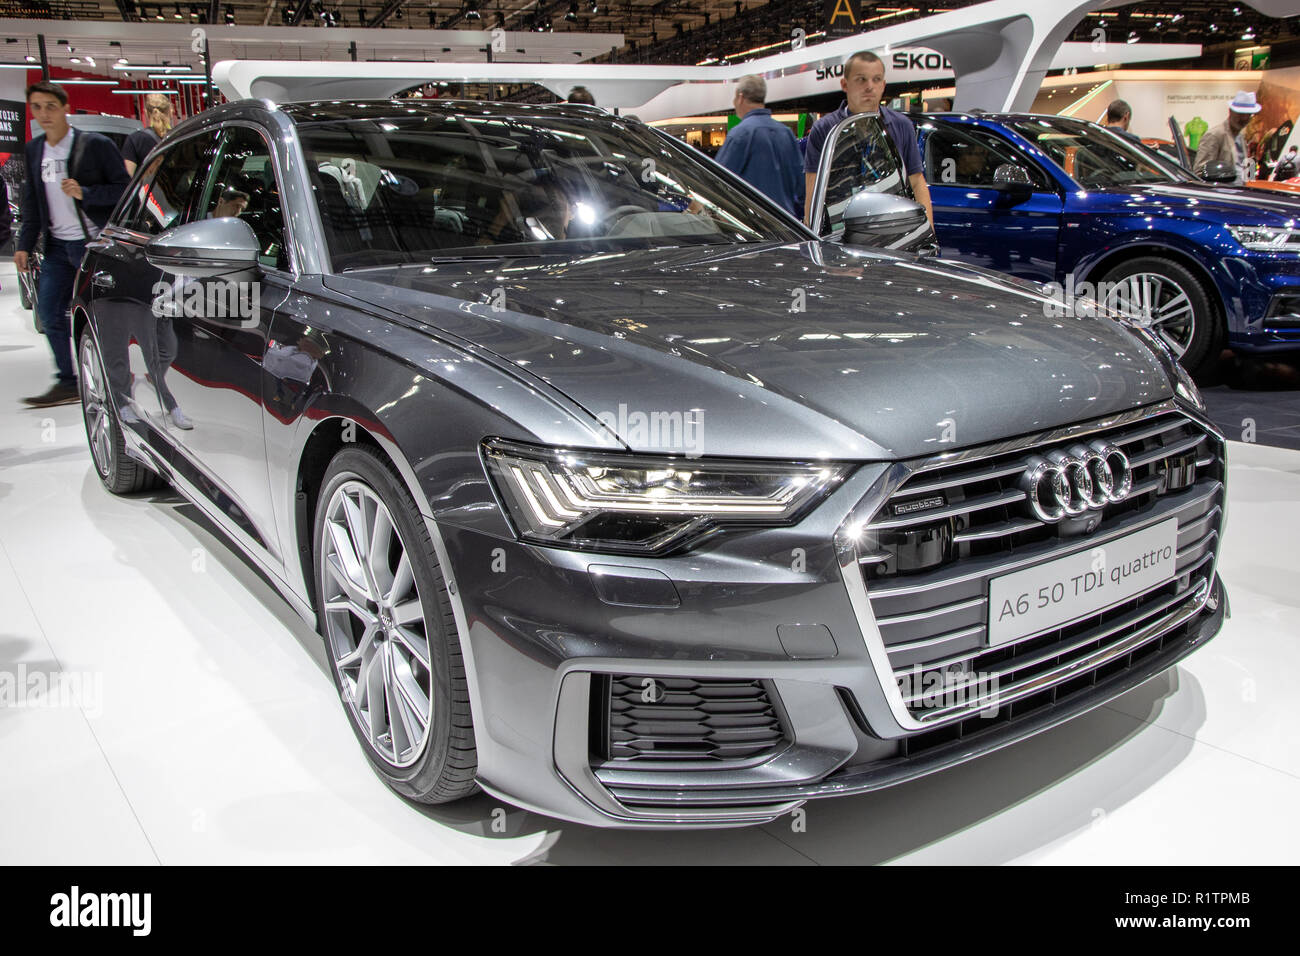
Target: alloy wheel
[(95, 407), (1157, 303), (376, 626)]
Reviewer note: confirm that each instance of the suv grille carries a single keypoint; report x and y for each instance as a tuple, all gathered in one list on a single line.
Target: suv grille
[(642, 720), (929, 554)]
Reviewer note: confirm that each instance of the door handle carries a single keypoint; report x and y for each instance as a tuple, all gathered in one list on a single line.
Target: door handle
[(102, 280)]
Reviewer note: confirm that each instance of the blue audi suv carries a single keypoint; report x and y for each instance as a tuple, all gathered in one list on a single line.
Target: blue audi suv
[(1063, 201)]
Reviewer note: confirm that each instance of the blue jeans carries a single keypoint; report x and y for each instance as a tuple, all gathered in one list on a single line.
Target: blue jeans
[(53, 298)]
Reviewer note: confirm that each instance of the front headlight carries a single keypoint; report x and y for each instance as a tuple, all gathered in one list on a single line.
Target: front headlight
[(637, 504), (1186, 388), (1267, 238)]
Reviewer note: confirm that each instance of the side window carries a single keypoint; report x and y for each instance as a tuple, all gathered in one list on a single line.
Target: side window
[(167, 187), (969, 157), (245, 187), (861, 158)]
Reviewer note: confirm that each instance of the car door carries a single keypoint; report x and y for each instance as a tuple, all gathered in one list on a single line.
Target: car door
[(859, 161), (993, 206), (134, 343), (221, 328)]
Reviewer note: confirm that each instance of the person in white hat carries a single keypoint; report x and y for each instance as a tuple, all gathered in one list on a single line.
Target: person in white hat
[(1224, 142)]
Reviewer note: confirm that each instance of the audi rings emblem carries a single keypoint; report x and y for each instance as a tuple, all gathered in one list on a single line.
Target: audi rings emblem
[(1068, 482)]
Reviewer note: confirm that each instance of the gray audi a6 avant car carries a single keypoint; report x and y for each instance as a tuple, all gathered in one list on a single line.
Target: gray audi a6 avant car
[(617, 492)]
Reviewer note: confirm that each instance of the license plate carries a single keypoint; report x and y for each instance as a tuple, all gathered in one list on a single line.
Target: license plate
[(1079, 585)]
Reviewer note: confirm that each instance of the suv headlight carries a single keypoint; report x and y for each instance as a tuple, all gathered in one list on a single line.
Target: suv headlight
[(639, 504), (1267, 238)]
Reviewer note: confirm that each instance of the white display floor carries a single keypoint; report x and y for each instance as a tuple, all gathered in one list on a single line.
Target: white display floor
[(209, 730)]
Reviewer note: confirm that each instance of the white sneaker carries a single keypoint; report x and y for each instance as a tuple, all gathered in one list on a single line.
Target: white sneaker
[(128, 415), (180, 420)]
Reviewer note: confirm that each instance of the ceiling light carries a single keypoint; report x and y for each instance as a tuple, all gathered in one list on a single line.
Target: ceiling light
[(572, 15), (1132, 37), (178, 15)]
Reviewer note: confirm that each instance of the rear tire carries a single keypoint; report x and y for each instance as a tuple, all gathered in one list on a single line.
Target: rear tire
[(1182, 312), (390, 634), (120, 473)]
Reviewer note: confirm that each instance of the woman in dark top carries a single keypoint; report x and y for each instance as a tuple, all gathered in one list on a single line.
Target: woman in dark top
[(158, 114)]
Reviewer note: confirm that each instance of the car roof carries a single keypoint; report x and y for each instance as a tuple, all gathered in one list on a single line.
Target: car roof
[(327, 110)]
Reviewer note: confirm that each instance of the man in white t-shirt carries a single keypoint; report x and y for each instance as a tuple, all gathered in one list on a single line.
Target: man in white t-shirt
[(74, 179)]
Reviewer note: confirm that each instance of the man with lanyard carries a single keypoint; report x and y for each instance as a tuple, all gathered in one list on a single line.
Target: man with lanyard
[(863, 84), (1224, 143), (74, 179)]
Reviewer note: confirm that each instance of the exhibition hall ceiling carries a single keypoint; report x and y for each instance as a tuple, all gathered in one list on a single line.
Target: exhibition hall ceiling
[(649, 31)]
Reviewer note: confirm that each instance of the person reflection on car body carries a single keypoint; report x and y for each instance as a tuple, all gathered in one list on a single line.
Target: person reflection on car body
[(290, 369), (153, 332)]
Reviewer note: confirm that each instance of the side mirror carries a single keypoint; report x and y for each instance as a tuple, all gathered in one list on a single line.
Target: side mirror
[(1219, 172), (205, 249), (886, 221), (1014, 182)]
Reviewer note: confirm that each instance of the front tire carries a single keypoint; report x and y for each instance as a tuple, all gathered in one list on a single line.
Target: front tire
[(1173, 303), (120, 473), (383, 609)]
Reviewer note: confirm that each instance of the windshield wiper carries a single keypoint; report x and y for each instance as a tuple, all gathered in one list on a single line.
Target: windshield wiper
[(488, 256)]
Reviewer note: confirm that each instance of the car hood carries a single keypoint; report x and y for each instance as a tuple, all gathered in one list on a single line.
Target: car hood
[(809, 350), (1223, 204)]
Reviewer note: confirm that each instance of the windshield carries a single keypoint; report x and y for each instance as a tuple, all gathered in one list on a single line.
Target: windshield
[(412, 188), (1092, 156)]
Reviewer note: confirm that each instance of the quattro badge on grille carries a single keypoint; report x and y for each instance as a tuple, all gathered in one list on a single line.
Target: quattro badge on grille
[(1071, 481), (918, 505)]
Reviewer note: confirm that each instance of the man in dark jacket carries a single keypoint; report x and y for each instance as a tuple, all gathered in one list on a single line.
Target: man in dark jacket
[(74, 179), (762, 151)]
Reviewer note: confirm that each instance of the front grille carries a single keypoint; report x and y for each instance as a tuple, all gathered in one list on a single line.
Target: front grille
[(641, 720), (928, 555)]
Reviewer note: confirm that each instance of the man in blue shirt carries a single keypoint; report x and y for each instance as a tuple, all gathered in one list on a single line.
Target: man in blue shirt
[(863, 84), (762, 151)]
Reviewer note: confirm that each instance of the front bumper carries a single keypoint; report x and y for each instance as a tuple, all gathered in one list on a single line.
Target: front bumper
[(1261, 294), (541, 632)]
